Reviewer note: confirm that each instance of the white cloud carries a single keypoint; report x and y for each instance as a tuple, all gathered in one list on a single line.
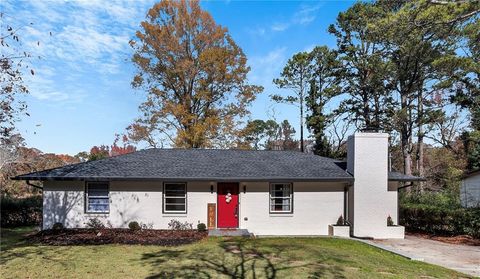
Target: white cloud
[(280, 27), (86, 35), (306, 14), (265, 68)]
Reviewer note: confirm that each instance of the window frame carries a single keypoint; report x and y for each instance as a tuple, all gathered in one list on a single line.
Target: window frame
[(87, 197), (270, 197), (164, 210)]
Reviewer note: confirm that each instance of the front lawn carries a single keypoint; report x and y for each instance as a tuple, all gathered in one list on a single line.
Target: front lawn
[(210, 258)]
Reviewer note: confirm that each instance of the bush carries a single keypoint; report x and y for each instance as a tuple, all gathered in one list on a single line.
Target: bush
[(201, 227), (57, 226), (438, 214), (21, 211), (340, 221), (177, 225), (95, 223), (390, 221), (134, 226)]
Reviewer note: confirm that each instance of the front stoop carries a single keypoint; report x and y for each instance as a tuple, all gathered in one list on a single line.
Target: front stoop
[(230, 232)]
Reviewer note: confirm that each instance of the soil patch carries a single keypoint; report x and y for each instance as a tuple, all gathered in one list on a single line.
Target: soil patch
[(116, 236), (459, 239)]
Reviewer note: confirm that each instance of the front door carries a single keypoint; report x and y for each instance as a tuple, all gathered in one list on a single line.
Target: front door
[(227, 204)]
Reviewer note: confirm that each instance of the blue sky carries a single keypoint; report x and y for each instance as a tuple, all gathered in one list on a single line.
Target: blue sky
[(81, 94)]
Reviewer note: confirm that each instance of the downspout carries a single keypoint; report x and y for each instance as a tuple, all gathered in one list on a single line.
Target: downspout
[(33, 185)]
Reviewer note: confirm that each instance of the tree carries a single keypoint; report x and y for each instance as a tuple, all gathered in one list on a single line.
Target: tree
[(324, 85), (295, 76), (98, 152), (194, 74), (125, 148), (366, 71), (13, 65), (420, 38)]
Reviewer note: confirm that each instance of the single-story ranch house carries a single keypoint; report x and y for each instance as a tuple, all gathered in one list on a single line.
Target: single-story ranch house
[(264, 192)]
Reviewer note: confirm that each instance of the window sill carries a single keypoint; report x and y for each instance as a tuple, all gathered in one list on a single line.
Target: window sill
[(179, 214), (281, 214), (97, 213)]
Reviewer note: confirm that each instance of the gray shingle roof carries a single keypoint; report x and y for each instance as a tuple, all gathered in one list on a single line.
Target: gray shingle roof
[(201, 164)]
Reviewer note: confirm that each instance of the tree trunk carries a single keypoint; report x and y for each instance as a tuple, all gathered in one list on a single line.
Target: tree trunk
[(406, 140), (301, 122), (420, 145)]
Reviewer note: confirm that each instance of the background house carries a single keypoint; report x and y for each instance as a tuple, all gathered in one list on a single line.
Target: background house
[(470, 189)]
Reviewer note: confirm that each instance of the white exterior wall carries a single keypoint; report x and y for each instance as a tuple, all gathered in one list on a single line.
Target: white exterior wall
[(470, 191), (374, 199), (64, 201), (315, 206)]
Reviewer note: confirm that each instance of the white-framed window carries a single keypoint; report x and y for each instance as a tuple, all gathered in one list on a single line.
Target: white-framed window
[(175, 197), (281, 198), (97, 197)]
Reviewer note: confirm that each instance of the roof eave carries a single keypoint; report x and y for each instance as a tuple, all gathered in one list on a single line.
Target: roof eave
[(226, 179)]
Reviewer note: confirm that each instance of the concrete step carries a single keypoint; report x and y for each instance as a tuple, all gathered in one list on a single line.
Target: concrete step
[(229, 232)]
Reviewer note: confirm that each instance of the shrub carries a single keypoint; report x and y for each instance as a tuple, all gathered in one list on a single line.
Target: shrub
[(438, 214), (340, 221), (177, 225), (201, 227), (148, 226), (95, 223), (21, 211), (390, 221), (57, 226), (134, 226)]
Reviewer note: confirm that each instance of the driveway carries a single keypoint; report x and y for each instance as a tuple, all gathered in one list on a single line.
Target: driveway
[(462, 258)]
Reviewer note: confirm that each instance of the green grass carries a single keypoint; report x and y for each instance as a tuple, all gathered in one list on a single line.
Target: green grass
[(210, 258)]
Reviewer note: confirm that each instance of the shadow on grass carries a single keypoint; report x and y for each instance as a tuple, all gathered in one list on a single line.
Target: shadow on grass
[(236, 258)]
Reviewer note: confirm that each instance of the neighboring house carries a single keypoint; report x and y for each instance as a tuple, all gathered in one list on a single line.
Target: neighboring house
[(470, 189), (265, 192)]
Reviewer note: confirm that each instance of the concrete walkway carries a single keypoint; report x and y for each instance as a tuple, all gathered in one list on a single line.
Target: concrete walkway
[(462, 258)]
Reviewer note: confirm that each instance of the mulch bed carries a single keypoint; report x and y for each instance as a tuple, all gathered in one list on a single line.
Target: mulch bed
[(459, 239), (116, 236)]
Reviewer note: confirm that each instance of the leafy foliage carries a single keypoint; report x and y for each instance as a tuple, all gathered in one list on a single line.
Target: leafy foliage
[(201, 227), (177, 225), (95, 223), (195, 76), (438, 213), (21, 211), (134, 226)]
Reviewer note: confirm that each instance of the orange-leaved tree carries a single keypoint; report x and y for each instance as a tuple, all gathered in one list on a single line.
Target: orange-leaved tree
[(195, 77)]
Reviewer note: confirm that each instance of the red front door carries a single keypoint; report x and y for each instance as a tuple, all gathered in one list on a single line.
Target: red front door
[(227, 204)]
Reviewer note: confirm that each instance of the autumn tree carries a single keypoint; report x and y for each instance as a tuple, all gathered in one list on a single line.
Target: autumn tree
[(194, 74), (14, 64), (295, 76)]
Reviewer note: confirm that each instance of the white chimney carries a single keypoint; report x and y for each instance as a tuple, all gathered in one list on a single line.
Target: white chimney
[(370, 199)]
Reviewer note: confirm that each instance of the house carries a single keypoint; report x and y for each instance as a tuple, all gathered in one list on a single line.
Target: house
[(470, 189), (264, 192)]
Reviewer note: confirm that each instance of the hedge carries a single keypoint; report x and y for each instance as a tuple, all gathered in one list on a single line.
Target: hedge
[(21, 211), (440, 221)]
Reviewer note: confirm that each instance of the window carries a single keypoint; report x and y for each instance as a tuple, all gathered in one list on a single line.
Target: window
[(97, 197), (175, 198), (281, 198)]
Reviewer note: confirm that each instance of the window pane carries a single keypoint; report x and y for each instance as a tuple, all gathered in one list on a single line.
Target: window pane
[(98, 205), (175, 207), (175, 200), (281, 197), (98, 200), (175, 188), (98, 189)]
